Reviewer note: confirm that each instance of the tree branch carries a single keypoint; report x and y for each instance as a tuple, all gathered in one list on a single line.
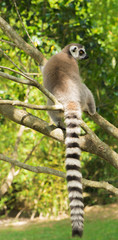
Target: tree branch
[(51, 171), (37, 85), (16, 79), (22, 22), (22, 117), (12, 173), (89, 143), (32, 150), (32, 168), (104, 124), (104, 185), (100, 148), (21, 44), (8, 42), (10, 60), (31, 106)]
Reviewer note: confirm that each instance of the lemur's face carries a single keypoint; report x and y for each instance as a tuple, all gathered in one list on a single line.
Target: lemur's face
[(77, 52)]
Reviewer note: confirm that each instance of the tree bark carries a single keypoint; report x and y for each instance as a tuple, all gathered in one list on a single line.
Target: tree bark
[(105, 125)]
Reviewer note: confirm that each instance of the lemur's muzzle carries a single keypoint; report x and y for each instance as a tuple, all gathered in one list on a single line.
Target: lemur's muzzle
[(86, 57)]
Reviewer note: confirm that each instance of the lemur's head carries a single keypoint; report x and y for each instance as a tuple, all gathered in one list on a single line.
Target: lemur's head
[(76, 50)]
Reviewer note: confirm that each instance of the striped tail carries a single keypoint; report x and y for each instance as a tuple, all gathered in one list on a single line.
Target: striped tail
[(74, 176)]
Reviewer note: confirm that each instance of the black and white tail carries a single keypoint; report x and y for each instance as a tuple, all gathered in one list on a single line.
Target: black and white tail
[(74, 176)]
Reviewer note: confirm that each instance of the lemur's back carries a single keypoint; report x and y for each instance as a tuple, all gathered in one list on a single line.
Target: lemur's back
[(62, 70)]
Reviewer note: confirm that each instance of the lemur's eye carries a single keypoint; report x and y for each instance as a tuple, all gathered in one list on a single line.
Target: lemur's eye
[(74, 49), (81, 52)]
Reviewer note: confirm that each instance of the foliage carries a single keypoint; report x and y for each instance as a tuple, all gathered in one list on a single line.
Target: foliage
[(51, 25)]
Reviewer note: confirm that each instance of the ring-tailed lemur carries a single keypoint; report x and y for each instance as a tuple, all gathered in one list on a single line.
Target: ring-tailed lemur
[(61, 77)]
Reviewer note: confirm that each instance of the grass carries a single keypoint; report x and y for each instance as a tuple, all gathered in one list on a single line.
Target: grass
[(61, 230)]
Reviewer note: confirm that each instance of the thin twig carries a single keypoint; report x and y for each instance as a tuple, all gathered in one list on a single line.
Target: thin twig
[(31, 106), (8, 42), (35, 74), (38, 85), (12, 70), (15, 79), (20, 62), (33, 148), (10, 60), (22, 23)]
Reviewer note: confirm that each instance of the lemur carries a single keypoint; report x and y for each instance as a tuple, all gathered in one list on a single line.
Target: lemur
[(62, 78)]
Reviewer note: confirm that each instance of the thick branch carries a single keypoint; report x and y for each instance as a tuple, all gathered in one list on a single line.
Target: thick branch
[(31, 106), (107, 126), (38, 169), (24, 118), (100, 148), (20, 43), (89, 143)]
